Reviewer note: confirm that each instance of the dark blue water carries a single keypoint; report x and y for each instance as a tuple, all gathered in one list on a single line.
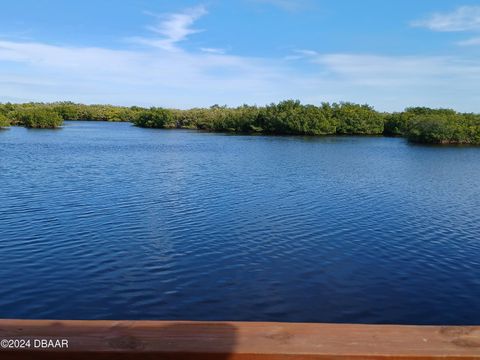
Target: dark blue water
[(109, 221)]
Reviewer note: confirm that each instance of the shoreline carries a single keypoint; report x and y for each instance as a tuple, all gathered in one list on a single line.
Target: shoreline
[(418, 124)]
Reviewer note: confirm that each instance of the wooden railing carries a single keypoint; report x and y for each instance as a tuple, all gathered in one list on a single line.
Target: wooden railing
[(51, 339)]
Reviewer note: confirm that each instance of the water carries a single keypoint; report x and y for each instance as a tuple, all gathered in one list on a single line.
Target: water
[(109, 221)]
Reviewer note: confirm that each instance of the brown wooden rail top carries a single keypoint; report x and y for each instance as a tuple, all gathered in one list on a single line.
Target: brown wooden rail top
[(235, 340)]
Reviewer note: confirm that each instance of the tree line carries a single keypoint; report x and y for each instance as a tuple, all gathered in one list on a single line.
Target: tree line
[(290, 117)]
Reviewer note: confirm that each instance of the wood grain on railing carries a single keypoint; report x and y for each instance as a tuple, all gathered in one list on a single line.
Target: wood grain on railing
[(236, 340)]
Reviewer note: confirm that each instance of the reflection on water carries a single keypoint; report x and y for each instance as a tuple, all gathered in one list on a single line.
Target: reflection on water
[(104, 220)]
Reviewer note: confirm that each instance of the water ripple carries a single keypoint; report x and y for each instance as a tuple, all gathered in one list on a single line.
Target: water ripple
[(110, 221)]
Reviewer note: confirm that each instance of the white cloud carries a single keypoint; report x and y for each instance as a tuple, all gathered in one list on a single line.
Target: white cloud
[(306, 53), (470, 42), (147, 77), (172, 28), (43, 72), (300, 54), (394, 70), (158, 76), (288, 5), (464, 18), (213, 50)]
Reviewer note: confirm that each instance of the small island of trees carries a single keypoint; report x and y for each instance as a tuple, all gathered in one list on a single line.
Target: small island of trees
[(290, 117), (38, 117)]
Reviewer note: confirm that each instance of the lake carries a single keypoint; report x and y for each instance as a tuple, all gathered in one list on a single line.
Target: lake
[(109, 221)]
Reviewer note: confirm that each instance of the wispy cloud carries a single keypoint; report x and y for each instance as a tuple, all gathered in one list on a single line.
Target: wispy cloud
[(288, 5), (213, 50), (152, 76), (157, 76), (470, 42), (464, 18), (299, 54), (398, 71), (172, 28)]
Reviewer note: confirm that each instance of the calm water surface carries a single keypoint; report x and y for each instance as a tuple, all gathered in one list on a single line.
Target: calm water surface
[(109, 221)]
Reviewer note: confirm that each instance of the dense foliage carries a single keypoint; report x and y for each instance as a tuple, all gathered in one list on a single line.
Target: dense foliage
[(37, 117), (286, 117), (356, 119), (419, 124), (72, 111), (445, 129), (290, 117), (153, 118), (399, 124), (4, 122)]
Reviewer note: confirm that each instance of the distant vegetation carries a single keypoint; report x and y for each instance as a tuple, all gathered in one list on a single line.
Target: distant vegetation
[(41, 118), (434, 126), (31, 115), (419, 124), (4, 122), (153, 118)]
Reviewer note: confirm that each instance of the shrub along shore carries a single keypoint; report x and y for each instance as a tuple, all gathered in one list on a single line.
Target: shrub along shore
[(417, 124)]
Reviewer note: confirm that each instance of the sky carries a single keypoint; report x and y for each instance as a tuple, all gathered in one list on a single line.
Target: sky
[(389, 54)]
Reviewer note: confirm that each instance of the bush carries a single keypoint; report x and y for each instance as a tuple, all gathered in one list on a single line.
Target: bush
[(353, 119), (418, 124), (38, 117), (291, 117), (442, 128), (396, 124), (242, 119), (4, 122), (154, 118)]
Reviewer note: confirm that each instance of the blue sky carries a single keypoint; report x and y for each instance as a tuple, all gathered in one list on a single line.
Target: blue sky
[(390, 54)]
